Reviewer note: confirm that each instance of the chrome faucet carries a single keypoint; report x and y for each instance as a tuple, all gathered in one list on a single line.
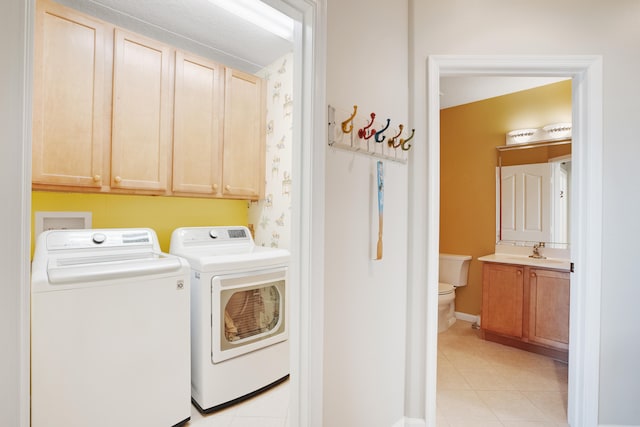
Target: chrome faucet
[(536, 251)]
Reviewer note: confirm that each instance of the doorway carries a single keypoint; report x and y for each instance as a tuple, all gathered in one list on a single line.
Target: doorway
[(475, 374), (586, 73), (307, 244)]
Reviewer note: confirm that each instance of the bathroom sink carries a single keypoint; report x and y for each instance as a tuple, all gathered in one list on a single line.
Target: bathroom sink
[(526, 260)]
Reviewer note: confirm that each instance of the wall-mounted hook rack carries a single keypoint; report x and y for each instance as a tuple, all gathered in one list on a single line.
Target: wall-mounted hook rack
[(341, 136)]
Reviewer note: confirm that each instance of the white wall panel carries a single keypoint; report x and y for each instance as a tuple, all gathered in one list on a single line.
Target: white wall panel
[(365, 300)]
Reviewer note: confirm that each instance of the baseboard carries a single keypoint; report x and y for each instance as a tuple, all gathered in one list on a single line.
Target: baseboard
[(473, 318), (410, 422)]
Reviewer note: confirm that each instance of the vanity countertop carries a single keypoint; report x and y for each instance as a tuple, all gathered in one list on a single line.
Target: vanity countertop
[(555, 263)]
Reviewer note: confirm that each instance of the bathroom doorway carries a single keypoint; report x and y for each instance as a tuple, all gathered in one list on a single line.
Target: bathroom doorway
[(475, 115), (586, 230)]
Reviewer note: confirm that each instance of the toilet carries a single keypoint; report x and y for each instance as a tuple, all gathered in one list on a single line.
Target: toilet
[(453, 273)]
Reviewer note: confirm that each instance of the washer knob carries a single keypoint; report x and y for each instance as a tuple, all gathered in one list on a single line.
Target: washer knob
[(98, 238), (213, 234)]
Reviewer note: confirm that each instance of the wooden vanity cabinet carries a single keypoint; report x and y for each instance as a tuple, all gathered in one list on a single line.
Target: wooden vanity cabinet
[(502, 299), (526, 307), (549, 308)]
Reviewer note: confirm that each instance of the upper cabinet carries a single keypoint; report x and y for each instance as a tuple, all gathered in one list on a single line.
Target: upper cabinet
[(116, 111), (141, 123), (69, 98), (197, 127), (244, 135)]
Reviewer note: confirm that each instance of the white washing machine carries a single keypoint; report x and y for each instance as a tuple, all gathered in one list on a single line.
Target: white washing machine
[(109, 331), (239, 331)]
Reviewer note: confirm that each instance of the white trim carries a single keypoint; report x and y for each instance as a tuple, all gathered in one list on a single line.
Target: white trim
[(586, 228), (473, 318), (410, 422), (25, 226), (307, 234), (618, 425)]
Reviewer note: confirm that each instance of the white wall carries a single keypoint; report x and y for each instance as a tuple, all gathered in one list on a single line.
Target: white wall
[(12, 244), (365, 300), (572, 27)]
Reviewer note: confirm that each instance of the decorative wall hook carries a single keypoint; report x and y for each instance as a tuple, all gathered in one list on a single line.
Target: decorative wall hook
[(362, 133), (403, 142), (392, 141), (379, 133), (346, 129)]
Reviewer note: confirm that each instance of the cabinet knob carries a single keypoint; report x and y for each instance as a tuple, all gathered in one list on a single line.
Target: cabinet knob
[(533, 274), (96, 178), (117, 179), (519, 273), (227, 187), (215, 187)]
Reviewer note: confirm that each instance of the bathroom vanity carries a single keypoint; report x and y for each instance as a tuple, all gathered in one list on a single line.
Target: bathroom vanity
[(525, 303)]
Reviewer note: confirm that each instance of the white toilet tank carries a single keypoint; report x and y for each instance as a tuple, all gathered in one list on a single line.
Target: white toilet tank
[(454, 269)]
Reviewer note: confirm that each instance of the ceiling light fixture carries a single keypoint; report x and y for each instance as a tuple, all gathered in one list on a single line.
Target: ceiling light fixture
[(260, 14)]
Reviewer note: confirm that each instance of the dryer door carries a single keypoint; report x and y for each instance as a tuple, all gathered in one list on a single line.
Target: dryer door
[(249, 312)]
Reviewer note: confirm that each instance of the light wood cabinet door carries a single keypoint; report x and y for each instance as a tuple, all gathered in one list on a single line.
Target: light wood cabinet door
[(141, 123), (502, 299), (549, 307), (68, 132), (197, 128), (244, 136)]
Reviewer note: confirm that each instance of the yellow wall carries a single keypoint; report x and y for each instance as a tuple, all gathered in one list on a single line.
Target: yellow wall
[(470, 134), (162, 214)]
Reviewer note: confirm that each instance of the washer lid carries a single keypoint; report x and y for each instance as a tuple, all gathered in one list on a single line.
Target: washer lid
[(445, 288)]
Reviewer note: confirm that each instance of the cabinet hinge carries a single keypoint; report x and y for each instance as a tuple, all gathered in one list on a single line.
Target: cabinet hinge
[(572, 268)]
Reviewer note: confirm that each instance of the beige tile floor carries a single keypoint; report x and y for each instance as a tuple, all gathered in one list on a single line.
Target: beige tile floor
[(480, 384), (268, 409), (484, 384)]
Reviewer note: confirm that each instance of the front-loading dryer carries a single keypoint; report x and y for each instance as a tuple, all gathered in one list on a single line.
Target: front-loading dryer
[(239, 314)]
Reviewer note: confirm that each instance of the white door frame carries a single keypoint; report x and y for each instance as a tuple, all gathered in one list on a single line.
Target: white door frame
[(586, 199)]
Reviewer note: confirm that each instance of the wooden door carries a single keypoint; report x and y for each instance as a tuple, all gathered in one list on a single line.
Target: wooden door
[(502, 299), (141, 124), (549, 307), (68, 99), (244, 136), (197, 131)]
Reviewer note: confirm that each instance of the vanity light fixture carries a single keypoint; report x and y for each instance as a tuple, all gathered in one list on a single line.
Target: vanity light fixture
[(551, 132), (521, 136), (260, 14), (558, 130)]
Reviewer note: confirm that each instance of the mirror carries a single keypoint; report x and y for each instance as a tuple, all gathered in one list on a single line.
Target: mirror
[(533, 184)]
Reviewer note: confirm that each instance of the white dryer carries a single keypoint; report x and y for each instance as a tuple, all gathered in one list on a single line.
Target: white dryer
[(239, 324), (109, 331)]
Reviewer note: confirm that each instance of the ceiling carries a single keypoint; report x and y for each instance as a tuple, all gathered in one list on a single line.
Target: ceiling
[(463, 90), (196, 25), (205, 29)]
